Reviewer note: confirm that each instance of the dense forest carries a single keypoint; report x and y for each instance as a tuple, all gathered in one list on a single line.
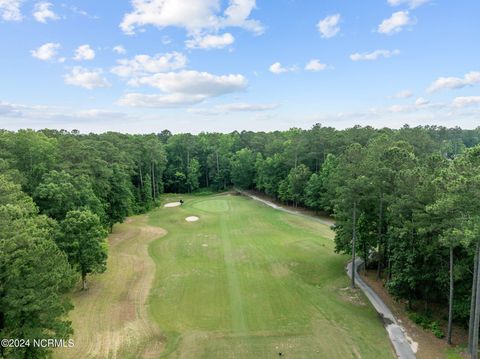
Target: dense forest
[(407, 197)]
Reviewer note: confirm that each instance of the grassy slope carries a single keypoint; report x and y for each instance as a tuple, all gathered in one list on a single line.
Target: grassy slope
[(247, 281)]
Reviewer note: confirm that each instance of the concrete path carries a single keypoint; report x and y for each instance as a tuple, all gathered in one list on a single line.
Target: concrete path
[(325, 221), (395, 331)]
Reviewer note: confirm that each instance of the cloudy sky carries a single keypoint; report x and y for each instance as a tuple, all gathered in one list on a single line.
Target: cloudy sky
[(218, 65)]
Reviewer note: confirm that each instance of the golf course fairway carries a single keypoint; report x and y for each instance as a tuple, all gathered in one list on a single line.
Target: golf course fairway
[(248, 281), (242, 281)]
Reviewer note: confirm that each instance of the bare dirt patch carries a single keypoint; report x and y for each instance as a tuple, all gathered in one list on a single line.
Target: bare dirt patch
[(111, 320), (352, 296)]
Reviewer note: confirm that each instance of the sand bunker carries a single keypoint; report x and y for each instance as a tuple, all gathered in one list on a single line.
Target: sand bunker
[(172, 204), (192, 219)]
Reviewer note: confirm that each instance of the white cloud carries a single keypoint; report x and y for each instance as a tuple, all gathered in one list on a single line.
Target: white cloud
[(142, 65), (210, 41), (233, 107), (247, 107), (398, 108), (315, 65), (84, 52), (328, 27), (193, 82), (10, 10), (412, 4), (86, 78), (370, 56), (46, 52), (420, 104), (81, 12), (119, 49), (43, 12), (41, 116), (395, 23), (277, 68), (9, 110), (159, 100), (403, 94), (466, 101), (183, 88), (193, 15), (468, 79), (421, 101)]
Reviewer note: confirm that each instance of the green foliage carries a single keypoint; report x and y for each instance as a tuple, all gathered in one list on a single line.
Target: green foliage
[(293, 187), (34, 275), (425, 321), (436, 330), (416, 190), (120, 198), (59, 193), (421, 319), (193, 173), (82, 238), (243, 169)]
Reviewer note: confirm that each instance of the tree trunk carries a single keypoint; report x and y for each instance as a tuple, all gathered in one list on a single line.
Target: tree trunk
[(476, 320), (365, 258), (450, 300), (473, 299), (155, 184), (354, 235), (152, 169), (84, 281), (389, 260), (380, 219), (141, 176)]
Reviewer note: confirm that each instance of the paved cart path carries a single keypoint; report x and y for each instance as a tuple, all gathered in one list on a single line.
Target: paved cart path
[(395, 331)]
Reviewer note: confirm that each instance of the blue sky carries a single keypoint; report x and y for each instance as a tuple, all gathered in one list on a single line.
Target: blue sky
[(195, 65)]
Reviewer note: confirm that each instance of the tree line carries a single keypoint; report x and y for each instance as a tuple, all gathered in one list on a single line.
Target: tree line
[(407, 196)]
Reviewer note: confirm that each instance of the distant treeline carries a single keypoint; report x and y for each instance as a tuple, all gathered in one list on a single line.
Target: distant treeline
[(413, 193)]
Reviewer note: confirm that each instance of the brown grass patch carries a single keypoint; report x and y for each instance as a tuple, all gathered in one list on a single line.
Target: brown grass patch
[(111, 320)]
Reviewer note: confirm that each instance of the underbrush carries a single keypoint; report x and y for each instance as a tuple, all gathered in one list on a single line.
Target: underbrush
[(425, 321)]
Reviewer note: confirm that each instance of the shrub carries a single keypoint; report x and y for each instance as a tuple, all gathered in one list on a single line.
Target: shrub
[(436, 330), (420, 319)]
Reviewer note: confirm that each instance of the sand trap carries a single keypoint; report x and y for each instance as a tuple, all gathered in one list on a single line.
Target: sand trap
[(172, 204), (192, 219)]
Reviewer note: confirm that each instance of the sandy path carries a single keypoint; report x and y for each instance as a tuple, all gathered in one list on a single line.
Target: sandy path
[(111, 320)]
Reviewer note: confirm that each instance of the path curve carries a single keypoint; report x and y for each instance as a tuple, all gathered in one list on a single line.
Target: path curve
[(396, 333)]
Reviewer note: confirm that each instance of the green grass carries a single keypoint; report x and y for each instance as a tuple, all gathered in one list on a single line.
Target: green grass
[(454, 353), (247, 281)]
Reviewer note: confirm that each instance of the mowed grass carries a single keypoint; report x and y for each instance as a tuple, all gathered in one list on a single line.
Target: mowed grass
[(248, 281), (111, 320)]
